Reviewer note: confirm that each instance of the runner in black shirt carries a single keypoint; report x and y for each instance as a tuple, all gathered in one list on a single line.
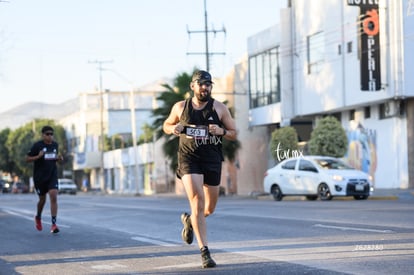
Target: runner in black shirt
[(45, 154), (201, 122)]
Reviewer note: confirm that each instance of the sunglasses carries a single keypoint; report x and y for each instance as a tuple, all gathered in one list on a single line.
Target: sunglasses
[(49, 134), (207, 84)]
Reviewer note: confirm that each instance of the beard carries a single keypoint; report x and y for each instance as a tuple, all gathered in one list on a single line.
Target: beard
[(203, 98)]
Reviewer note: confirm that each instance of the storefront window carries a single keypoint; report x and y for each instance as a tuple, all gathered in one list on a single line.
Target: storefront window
[(316, 52), (264, 78)]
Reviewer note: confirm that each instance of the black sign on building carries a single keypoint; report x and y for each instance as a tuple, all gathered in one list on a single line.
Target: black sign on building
[(369, 39)]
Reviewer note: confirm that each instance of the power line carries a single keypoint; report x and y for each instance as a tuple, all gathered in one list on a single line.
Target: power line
[(100, 62), (410, 9), (206, 31)]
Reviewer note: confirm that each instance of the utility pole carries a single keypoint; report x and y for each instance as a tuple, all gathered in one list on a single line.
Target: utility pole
[(410, 9), (102, 139), (133, 127), (206, 31)]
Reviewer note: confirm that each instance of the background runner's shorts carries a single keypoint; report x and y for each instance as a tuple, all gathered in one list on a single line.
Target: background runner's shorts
[(43, 187), (210, 170)]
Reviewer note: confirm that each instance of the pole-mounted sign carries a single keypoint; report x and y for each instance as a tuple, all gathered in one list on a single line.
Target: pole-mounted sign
[(369, 39)]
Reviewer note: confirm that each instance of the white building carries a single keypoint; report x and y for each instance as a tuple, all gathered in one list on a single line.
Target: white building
[(130, 169), (352, 59)]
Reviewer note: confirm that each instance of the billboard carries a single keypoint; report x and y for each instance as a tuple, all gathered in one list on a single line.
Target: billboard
[(369, 39)]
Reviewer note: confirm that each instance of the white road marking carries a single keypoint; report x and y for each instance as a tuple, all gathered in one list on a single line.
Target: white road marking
[(24, 215), (187, 265), (152, 241), (112, 266), (353, 228)]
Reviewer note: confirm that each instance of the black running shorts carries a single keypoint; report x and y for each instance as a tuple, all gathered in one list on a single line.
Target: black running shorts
[(210, 170), (43, 187)]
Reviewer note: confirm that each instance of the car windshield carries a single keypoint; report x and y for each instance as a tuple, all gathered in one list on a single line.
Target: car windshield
[(332, 164)]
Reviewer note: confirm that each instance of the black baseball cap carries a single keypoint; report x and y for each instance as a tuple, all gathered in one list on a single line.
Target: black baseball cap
[(46, 129), (202, 77)]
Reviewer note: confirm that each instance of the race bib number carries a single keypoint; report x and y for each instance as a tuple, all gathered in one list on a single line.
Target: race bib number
[(50, 156), (200, 131)]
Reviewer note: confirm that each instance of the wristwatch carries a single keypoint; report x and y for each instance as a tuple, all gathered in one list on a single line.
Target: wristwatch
[(224, 132)]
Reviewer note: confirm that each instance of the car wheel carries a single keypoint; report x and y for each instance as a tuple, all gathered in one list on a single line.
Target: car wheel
[(324, 192), (276, 193), (311, 198), (361, 197)]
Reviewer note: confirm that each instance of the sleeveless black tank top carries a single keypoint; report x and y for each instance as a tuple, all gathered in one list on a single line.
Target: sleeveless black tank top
[(199, 148)]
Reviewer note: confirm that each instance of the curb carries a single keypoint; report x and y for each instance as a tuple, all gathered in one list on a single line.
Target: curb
[(302, 198)]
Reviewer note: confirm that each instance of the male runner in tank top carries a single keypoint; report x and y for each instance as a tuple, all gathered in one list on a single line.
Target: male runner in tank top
[(44, 154), (201, 122)]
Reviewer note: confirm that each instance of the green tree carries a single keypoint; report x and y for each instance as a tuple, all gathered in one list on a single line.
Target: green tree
[(328, 138), (230, 147), (178, 92), (5, 163), (284, 143), (20, 141), (148, 132), (18, 144), (117, 142), (181, 91)]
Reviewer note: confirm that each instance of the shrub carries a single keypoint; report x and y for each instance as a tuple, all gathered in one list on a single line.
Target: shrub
[(328, 138), (284, 143)]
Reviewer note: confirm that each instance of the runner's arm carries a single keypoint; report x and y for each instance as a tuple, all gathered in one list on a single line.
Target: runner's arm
[(229, 125), (171, 124)]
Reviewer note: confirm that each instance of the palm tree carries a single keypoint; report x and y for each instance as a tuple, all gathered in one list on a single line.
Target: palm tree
[(181, 91), (178, 92), (230, 147)]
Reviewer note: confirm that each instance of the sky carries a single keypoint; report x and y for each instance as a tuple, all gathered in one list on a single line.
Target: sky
[(49, 48)]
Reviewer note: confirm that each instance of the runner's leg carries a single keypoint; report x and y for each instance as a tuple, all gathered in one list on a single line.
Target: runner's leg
[(193, 184), (40, 205), (211, 194), (53, 193)]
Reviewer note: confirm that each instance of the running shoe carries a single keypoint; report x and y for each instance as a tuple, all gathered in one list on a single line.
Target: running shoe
[(54, 229), (206, 259), (38, 223), (187, 233)]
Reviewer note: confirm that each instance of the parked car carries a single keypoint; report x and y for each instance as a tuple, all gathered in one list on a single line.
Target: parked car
[(6, 186), (19, 188), (316, 176), (67, 186)]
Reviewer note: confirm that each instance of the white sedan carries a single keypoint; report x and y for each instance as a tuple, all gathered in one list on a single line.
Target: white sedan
[(67, 186), (316, 176)]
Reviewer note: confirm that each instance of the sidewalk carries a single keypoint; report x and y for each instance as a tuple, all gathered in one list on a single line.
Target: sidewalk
[(378, 194), (396, 194)]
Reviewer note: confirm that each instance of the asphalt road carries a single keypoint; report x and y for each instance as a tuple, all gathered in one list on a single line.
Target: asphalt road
[(141, 235)]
